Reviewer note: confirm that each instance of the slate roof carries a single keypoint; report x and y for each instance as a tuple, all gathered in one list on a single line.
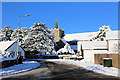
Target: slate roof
[(80, 36), (5, 44), (94, 45), (113, 35)]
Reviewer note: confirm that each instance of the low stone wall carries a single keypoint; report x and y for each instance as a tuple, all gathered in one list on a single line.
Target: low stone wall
[(98, 59), (32, 57), (64, 56), (7, 63), (50, 57), (75, 59)]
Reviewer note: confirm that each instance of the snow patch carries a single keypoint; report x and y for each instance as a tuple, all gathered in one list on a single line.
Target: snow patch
[(27, 65)]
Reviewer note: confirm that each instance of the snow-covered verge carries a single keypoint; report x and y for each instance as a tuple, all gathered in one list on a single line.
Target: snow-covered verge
[(89, 66), (27, 65)]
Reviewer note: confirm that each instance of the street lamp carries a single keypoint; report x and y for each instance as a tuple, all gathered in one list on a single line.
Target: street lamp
[(18, 33), (19, 19)]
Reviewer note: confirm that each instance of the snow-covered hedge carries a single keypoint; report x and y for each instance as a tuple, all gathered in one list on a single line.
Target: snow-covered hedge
[(66, 49)]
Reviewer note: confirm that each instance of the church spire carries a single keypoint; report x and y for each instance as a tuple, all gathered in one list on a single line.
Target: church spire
[(56, 25)]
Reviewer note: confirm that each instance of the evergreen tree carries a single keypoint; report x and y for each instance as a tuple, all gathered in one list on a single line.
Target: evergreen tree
[(101, 33), (39, 38), (19, 34), (6, 33)]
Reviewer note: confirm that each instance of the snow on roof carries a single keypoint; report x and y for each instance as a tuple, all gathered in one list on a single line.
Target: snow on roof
[(64, 41), (113, 35), (80, 36), (5, 44), (94, 45)]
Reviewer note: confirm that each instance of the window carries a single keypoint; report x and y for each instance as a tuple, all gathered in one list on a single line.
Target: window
[(102, 39)]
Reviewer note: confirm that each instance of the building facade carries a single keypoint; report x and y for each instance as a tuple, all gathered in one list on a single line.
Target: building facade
[(9, 50), (112, 56)]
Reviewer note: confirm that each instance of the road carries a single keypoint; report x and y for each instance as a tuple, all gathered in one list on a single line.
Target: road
[(58, 71)]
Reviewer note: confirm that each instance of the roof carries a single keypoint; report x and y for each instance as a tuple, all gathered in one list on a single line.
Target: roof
[(80, 36), (65, 42), (74, 40), (113, 35), (5, 45), (74, 47), (94, 45)]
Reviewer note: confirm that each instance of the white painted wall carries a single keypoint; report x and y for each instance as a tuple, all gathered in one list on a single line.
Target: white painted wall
[(79, 43), (14, 49), (113, 45), (89, 55)]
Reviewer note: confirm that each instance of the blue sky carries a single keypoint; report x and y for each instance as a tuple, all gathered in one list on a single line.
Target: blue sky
[(73, 17)]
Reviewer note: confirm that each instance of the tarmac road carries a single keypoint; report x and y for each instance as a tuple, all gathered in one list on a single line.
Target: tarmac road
[(58, 71)]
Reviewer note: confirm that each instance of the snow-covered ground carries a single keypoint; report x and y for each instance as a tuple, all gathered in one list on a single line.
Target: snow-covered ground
[(89, 66), (27, 65)]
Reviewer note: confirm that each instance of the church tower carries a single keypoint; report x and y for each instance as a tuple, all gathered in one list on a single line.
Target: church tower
[(57, 32), (56, 25)]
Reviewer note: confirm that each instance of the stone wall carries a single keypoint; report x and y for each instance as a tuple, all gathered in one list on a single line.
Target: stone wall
[(98, 59), (7, 63)]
